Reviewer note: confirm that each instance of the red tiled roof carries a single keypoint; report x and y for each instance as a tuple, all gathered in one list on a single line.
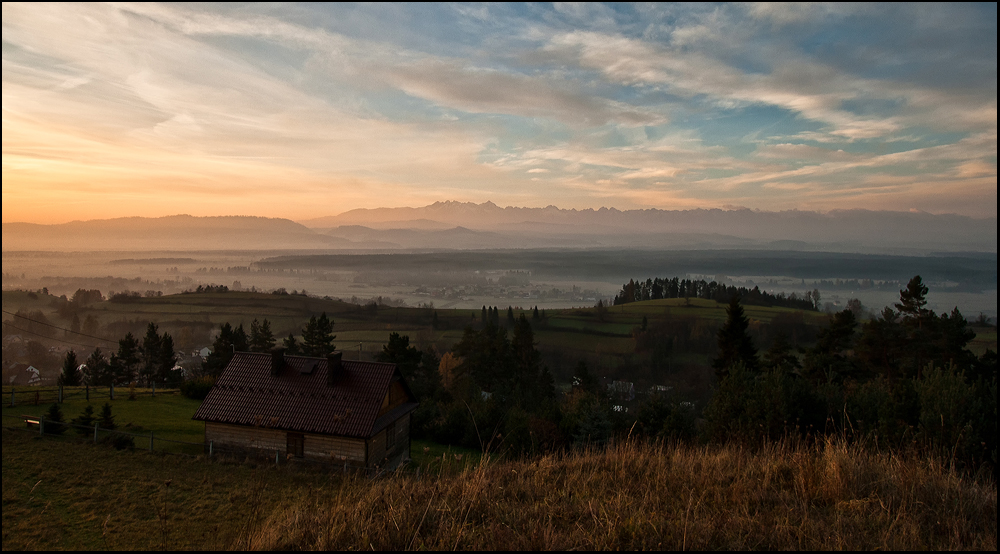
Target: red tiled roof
[(298, 398)]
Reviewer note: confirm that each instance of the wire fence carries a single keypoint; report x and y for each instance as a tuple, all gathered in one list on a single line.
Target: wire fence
[(125, 439), (28, 395)]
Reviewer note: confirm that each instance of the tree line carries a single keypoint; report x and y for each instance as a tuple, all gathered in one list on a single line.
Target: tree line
[(149, 360), (657, 288), (904, 379)]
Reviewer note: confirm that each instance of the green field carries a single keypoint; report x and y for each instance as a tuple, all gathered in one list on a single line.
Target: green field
[(167, 415)]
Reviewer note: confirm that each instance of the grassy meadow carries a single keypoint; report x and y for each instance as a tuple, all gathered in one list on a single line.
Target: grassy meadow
[(63, 495), (167, 415)]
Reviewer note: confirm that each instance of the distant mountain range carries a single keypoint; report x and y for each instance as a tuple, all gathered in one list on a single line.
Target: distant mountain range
[(836, 230), (177, 232), (458, 225)]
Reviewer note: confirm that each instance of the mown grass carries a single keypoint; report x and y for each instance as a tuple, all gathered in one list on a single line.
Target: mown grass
[(167, 415), (632, 496)]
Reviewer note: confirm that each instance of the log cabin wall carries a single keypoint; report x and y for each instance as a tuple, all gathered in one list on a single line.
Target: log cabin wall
[(324, 448), (380, 455)]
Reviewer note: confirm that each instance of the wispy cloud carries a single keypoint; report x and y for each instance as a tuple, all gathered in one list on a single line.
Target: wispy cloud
[(113, 108)]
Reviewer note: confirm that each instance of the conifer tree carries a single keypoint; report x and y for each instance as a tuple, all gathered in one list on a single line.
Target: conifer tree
[(166, 361), (291, 345), (107, 419), (85, 420), (261, 338), (317, 337), (54, 421), (735, 344), (70, 376), (97, 371), (150, 352), (125, 363), (229, 341)]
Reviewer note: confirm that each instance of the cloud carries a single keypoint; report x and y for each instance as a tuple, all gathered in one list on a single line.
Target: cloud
[(719, 104)]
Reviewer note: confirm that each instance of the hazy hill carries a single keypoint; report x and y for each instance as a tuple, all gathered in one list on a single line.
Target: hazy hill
[(458, 225), (178, 232), (845, 230)]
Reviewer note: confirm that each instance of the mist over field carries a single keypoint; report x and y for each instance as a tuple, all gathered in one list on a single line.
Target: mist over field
[(466, 255)]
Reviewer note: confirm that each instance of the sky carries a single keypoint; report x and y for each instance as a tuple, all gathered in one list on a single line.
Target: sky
[(302, 111)]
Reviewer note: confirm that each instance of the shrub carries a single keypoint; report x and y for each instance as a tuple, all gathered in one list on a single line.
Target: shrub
[(198, 387), (120, 441), (85, 420), (54, 421)]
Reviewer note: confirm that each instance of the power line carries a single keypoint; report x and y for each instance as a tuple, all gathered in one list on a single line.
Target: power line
[(58, 327), (51, 338)]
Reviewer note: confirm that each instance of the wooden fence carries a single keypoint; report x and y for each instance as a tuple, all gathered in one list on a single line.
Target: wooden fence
[(19, 396)]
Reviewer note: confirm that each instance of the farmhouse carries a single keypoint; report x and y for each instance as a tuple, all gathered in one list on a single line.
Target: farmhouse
[(324, 409)]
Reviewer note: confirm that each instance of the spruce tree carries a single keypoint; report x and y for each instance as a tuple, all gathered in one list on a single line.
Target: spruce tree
[(70, 376), (125, 363), (85, 421), (735, 344), (54, 421), (150, 352), (97, 369), (107, 419)]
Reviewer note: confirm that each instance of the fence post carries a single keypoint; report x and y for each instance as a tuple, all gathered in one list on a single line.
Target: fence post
[(60, 394), (211, 447), (276, 454), (154, 389), (112, 391), (41, 426), (95, 431), (150, 441)]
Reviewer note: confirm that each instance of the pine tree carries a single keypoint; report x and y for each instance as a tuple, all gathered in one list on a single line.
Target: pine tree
[(735, 344), (70, 376), (261, 338), (97, 371), (228, 341), (107, 419), (291, 345), (166, 361), (54, 421), (317, 337), (85, 421), (150, 352), (125, 363), (913, 299)]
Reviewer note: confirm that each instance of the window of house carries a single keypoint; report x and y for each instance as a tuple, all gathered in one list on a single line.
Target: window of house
[(390, 435), (296, 444)]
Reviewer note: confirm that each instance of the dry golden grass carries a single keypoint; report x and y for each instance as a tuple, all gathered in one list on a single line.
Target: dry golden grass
[(641, 497), (58, 495)]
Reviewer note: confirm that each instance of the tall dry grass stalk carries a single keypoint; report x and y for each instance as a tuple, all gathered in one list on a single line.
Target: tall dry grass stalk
[(636, 496)]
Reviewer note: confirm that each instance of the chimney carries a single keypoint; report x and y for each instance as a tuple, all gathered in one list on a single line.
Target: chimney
[(277, 360), (334, 366)]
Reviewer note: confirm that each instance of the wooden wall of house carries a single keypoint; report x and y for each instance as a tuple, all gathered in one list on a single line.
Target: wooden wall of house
[(379, 455), (316, 447)]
